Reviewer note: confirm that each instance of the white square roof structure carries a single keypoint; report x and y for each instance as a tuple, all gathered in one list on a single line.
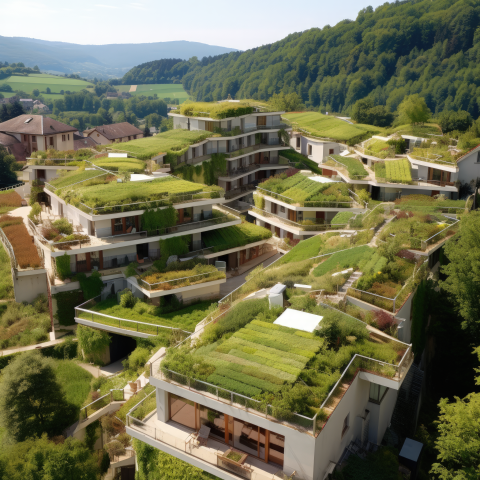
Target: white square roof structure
[(299, 320), (322, 179)]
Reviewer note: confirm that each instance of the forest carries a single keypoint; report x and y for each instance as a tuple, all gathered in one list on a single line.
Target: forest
[(398, 49)]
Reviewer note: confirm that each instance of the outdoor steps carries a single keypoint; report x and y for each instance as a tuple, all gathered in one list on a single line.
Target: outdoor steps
[(353, 278)]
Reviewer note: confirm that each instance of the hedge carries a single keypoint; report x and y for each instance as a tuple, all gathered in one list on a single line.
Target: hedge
[(234, 385), (66, 303)]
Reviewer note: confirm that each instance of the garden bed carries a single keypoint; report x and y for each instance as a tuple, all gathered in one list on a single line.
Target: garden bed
[(379, 148), (22, 243)]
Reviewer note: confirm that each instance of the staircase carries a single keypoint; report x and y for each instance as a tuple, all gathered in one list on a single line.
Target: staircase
[(404, 417), (353, 278)]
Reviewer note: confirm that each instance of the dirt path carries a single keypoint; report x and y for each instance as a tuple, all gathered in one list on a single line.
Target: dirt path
[(30, 347), (133, 88)]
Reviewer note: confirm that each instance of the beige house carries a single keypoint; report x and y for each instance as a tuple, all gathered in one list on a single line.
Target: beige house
[(36, 133), (114, 133)]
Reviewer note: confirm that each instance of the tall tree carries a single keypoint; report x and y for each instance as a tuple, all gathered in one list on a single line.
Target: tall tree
[(415, 109), (7, 175), (32, 402), (16, 109), (463, 272)]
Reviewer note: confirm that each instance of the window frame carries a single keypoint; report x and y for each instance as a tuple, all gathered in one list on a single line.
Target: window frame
[(346, 424), (309, 149)]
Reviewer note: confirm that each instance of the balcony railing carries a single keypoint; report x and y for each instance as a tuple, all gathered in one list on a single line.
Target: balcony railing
[(234, 131), (51, 161), (84, 312), (9, 249), (180, 282), (234, 172), (244, 189), (115, 395), (12, 187), (309, 225), (307, 203), (433, 158)]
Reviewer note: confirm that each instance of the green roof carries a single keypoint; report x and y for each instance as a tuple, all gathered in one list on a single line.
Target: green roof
[(234, 236), (215, 110)]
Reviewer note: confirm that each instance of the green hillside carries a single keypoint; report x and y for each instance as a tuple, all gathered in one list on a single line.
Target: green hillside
[(418, 46), (163, 90), (41, 81)]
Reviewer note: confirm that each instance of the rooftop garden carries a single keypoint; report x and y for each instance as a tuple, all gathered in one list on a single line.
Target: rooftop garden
[(425, 203), (215, 110), (393, 171), (234, 236), (289, 369), (155, 280), (131, 165), (129, 308), (301, 190), (9, 200), (436, 150), (353, 167), (342, 218), (77, 177), (379, 148), (24, 249), (47, 157), (132, 195), (301, 162), (329, 127), (423, 131), (173, 142), (410, 229)]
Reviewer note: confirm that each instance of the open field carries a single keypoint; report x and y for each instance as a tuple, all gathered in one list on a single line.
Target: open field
[(163, 90), (42, 81)]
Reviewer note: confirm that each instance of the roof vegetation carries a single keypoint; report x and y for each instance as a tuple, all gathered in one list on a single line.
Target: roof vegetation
[(234, 236), (215, 110)]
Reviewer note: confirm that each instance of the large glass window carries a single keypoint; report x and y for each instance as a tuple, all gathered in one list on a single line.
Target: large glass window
[(214, 420), (276, 444), (118, 225), (245, 437), (377, 392), (182, 411)]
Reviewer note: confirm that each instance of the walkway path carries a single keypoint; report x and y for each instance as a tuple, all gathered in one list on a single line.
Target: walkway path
[(31, 347)]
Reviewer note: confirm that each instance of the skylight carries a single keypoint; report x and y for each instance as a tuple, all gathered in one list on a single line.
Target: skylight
[(28, 120)]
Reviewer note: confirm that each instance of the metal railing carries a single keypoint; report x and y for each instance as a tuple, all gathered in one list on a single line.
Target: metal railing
[(123, 323), (244, 189), (307, 203), (113, 396), (179, 282), (52, 188), (430, 241), (12, 187)]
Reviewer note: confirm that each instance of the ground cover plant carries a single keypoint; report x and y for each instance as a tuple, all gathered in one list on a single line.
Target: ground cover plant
[(175, 142), (24, 249), (379, 148), (24, 324), (43, 157), (74, 179), (429, 204), (354, 167), (301, 161), (302, 190), (121, 164), (342, 218), (235, 236), (9, 200), (398, 171), (325, 126), (152, 280), (113, 193), (132, 401), (42, 81), (436, 151), (6, 282), (215, 110), (342, 260)]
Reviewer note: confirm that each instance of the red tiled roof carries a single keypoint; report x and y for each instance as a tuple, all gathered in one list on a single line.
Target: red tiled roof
[(116, 130), (38, 125)]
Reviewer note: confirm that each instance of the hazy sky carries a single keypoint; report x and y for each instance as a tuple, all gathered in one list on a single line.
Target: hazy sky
[(242, 25)]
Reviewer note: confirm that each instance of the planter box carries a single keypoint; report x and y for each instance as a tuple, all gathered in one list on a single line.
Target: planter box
[(235, 467)]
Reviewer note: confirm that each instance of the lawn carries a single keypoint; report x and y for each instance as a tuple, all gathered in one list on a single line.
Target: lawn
[(170, 141), (354, 167), (113, 193), (234, 236), (75, 177), (337, 261), (163, 90), (342, 218), (379, 149), (396, 171), (74, 380), (302, 190), (329, 127), (301, 162), (41, 81), (121, 164), (426, 203), (6, 282), (215, 110), (185, 319), (415, 130)]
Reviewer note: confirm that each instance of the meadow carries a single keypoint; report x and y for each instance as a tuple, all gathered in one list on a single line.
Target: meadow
[(234, 236), (163, 90), (42, 80), (326, 126)]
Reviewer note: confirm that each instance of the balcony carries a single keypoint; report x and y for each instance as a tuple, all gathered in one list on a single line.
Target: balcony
[(254, 167), (241, 191), (232, 132)]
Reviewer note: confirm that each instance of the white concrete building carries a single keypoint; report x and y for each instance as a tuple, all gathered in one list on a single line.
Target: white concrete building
[(314, 148)]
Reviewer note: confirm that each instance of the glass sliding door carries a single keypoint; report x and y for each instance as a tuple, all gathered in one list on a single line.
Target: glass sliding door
[(214, 420), (245, 437), (182, 411), (276, 447)]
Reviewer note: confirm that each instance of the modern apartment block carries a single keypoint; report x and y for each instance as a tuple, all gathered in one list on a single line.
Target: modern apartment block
[(250, 142), (306, 206), (230, 435)]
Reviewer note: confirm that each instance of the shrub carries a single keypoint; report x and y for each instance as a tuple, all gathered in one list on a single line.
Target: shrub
[(66, 303), (91, 286), (127, 299), (383, 320), (138, 358), (63, 266), (35, 212), (62, 225), (131, 269)]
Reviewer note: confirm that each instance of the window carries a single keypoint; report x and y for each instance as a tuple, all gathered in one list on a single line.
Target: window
[(118, 226), (346, 423), (478, 157), (309, 150), (377, 393), (63, 138), (331, 151), (298, 142), (34, 138), (51, 141), (182, 411), (25, 138), (68, 136), (282, 209)]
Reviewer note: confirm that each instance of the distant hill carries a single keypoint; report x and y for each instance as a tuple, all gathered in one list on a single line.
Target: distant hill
[(102, 61), (415, 46)]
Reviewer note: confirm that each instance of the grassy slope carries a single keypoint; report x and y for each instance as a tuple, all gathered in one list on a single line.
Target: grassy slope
[(167, 90), (329, 127), (6, 283), (164, 142)]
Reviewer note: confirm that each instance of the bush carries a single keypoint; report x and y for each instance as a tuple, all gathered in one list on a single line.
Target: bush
[(91, 286), (63, 266), (127, 299), (131, 269), (35, 212), (138, 358), (63, 226)]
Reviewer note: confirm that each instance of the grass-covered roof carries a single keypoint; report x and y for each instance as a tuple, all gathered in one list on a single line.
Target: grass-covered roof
[(215, 110)]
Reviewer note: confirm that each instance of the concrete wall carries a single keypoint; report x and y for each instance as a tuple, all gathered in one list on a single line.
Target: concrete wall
[(405, 313), (380, 416), (29, 284), (204, 293)]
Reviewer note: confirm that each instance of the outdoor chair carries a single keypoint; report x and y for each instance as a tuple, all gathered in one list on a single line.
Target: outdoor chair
[(203, 435)]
